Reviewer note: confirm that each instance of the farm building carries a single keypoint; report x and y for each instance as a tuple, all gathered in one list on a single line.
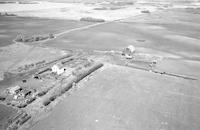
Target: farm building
[(58, 69), (14, 90), (129, 51), (25, 93)]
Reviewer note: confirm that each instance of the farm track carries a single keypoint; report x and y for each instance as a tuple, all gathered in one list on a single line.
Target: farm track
[(162, 72)]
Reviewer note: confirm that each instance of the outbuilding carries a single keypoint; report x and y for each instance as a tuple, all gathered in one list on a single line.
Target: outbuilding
[(14, 90), (129, 51), (58, 69)]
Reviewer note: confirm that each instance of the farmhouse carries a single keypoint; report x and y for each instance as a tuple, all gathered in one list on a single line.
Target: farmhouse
[(58, 69)]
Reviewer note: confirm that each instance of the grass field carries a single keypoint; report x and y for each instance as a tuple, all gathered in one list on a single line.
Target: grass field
[(119, 98), (5, 113), (13, 26), (169, 31)]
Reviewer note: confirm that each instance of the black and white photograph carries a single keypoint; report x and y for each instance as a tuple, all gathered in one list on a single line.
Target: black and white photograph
[(99, 64)]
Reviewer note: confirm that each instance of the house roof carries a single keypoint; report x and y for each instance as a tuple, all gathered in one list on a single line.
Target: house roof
[(59, 65)]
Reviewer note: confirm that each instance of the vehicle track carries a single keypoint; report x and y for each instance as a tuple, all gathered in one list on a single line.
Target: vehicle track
[(162, 72)]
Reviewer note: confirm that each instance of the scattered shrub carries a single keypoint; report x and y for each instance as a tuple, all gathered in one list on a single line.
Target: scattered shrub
[(122, 3), (63, 91), (24, 120), (15, 127), (145, 11), (42, 93), (90, 19), (17, 122), (101, 8), (22, 105), (193, 10), (53, 98), (22, 38), (30, 100), (51, 36), (46, 103), (8, 103), (2, 98)]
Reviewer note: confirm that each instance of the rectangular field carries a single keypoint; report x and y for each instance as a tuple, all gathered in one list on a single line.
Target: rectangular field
[(13, 26), (5, 114)]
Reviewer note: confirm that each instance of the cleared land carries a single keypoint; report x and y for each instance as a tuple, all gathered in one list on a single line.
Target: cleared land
[(123, 98), (13, 26)]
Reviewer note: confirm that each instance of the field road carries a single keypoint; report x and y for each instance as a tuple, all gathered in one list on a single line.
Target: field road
[(80, 28), (87, 27)]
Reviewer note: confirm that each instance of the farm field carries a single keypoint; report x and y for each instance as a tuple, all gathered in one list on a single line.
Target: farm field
[(5, 114), (13, 26), (157, 31), (123, 98)]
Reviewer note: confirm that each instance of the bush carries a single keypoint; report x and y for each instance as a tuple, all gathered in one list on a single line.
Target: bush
[(90, 19), (8, 103), (15, 127), (63, 91), (42, 93), (53, 98), (24, 120), (145, 11), (51, 36), (46, 103), (122, 3), (101, 8), (22, 105), (2, 98), (19, 38), (30, 100)]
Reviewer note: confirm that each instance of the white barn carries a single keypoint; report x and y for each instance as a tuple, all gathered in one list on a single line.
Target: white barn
[(58, 69)]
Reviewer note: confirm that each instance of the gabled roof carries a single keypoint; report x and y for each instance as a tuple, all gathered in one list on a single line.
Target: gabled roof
[(59, 65)]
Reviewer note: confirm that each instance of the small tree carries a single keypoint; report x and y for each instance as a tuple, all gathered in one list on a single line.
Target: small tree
[(19, 38), (51, 36)]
